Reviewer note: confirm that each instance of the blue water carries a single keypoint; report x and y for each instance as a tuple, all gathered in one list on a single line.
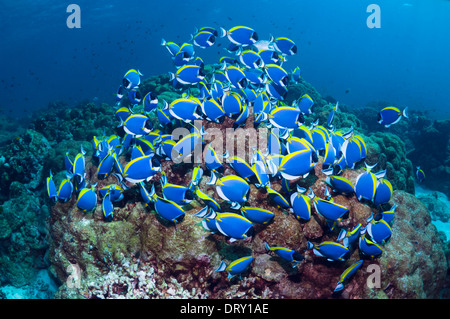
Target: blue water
[(405, 62)]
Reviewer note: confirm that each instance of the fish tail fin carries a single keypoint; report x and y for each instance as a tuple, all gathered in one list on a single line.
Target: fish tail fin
[(171, 76), (166, 105), (309, 245), (163, 41), (221, 267), (311, 194), (301, 189), (202, 212), (271, 39), (266, 246), (213, 179), (341, 235), (339, 287), (328, 171), (222, 32), (405, 112), (370, 167)]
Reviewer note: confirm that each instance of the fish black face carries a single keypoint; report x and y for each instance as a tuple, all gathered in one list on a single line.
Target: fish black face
[(275, 56), (155, 162), (294, 49), (243, 83), (255, 36), (125, 83), (285, 81), (250, 232), (301, 118), (148, 125), (315, 158), (297, 256), (201, 72), (212, 39), (379, 117), (153, 96), (138, 96), (189, 195)]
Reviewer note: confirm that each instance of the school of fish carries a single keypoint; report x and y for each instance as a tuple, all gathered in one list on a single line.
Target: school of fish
[(252, 80)]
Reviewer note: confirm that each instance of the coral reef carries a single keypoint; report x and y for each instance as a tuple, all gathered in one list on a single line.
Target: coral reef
[(139, 256)]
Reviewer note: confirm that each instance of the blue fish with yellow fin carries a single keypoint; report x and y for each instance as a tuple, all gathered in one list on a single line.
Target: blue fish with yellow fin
[(231, 188), (391, 115), (257, 215), (290, 255), (51, 188), (330, 250), (87, 199), (236, 267), (347, 274), (234, 226)]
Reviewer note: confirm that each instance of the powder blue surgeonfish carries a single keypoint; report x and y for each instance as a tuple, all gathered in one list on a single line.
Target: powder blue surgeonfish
[(212, 110), (137, 125), (175, 193), (204, 39), (296, 164), (235, 76), (420, 174), (329, 209), (79, 165), (208, 200), (347, 274), (389, 215), (240, 35), (250, 59), (379, 231), (87, 199), (391, 115), (65, 189), (184, 109), (131, 79), (168, 209), (150, 101), (383, 192), (339, 184), (236, 267), (349, 237), (305, 103), (241, 167), (107, 207), (366, 184), (257, 215), (301, 204), (285, 117), (277, 74), (277, 198), (231, 188), (51, 188), (234, 226), (140, 169), (287, 254), (330, 250), (284, 45), (172, 47), (188, 74), (369, 248)]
